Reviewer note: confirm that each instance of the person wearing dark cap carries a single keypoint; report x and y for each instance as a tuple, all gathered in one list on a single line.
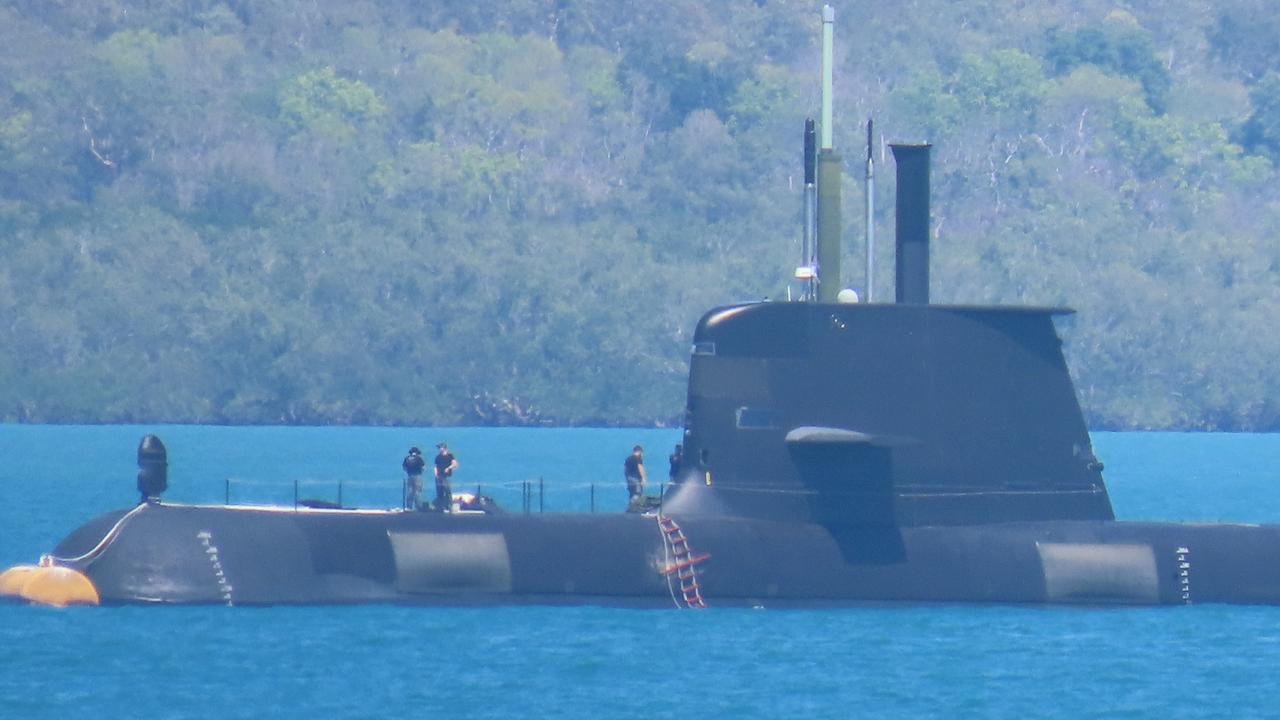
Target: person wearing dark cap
[(633, 470), (446, 463), (413, 466)]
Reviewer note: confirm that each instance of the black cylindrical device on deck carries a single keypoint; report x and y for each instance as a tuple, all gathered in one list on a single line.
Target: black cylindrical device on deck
[(153, 468), (912, 219)]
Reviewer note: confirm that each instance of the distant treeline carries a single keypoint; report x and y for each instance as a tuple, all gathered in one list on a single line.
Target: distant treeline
[(266, 211)]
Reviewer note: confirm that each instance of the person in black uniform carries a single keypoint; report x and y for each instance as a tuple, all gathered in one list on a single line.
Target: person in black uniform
[(413, 466), (446, 463), (633, 470), (676, 457)]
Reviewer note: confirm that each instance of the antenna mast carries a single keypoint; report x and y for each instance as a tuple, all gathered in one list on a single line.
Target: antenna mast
[(807, 273), (871, 205), (828, 266)]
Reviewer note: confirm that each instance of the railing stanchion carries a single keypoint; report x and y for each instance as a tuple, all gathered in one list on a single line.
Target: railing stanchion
[(227, 493), (339, 493), (593, 497), (540, 495), (295, 495)]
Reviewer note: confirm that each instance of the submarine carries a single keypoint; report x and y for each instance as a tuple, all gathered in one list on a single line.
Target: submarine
[(835, 453)]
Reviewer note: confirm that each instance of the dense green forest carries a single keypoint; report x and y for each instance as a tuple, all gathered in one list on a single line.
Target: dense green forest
[(448, 212)]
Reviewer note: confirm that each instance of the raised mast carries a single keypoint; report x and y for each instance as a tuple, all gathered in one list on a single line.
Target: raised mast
[(828, 38), (806, 273), (870, 206), (828, 177)]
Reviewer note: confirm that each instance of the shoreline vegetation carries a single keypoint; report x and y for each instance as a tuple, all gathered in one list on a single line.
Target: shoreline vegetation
[(397, 213), (543, 426)]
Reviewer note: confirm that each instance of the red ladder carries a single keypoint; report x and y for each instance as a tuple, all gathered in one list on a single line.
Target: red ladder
[(684, 568)]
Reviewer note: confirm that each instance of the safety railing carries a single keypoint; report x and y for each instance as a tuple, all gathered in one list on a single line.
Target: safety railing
[(527, 496)]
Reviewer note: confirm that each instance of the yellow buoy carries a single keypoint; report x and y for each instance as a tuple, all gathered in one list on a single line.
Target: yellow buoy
[(59, 587), (13, 579)]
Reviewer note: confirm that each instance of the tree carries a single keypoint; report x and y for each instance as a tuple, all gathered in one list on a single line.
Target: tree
[(1118, 46), (1261, 131)]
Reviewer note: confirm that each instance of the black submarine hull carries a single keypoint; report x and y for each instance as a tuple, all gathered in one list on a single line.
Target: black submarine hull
[(258, 556)]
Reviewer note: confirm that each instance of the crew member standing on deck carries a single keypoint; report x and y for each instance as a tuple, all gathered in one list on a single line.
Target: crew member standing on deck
[(413, 466), (633, 469), (446, 463), (676, 457)]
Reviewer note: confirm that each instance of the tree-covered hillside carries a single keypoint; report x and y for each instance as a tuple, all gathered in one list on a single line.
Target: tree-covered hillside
[(448, 212)]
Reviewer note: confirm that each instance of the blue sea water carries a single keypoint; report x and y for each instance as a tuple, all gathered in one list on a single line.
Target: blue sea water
[(910, 661)]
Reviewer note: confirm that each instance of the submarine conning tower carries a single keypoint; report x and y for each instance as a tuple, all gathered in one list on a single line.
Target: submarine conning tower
[(887, 414), (895, 414)]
